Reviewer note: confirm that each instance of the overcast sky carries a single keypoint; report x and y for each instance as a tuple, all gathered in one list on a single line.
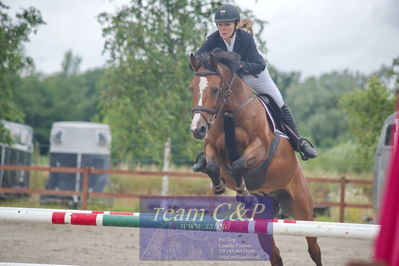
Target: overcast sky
[(310, 36)]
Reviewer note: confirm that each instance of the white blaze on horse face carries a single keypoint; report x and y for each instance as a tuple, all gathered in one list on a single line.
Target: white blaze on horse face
[(202, 86), (197, 117)]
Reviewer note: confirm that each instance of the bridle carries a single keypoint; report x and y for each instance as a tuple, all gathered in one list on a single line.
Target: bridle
[(226, 92), (219, 104)]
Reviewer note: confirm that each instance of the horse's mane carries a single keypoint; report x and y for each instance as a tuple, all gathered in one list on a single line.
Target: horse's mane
[(231, 60)]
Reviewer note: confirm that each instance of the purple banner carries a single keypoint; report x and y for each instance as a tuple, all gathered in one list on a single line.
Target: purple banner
[(203, 228)]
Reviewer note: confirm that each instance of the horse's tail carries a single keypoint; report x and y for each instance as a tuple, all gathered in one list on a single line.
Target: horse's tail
[(246, 24)]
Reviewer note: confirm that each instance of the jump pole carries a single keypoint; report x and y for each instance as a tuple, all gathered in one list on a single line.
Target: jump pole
[(18, 209), (143, 220)]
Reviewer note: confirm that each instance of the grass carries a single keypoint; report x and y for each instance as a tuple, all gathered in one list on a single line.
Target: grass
[(352, 215)]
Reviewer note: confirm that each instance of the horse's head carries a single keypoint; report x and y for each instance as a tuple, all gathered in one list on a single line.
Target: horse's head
[(210, 88)]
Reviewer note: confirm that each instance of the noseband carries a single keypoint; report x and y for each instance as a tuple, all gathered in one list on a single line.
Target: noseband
[(219, 106)]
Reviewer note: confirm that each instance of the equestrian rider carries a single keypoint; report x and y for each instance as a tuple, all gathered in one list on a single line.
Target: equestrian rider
[(252, 70)]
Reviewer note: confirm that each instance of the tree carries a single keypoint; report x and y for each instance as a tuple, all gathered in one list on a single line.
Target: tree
[(314, 103), (147, 101), (71, 63), (395, 74), (284, 80), (13, 33), (366, 110), (59, 97)]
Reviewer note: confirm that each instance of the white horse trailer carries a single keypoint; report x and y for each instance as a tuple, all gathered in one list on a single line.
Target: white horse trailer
[(78, 144), (382, 157), (18, 153)]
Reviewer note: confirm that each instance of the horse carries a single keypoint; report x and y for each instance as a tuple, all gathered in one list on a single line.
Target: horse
[(258, 160)]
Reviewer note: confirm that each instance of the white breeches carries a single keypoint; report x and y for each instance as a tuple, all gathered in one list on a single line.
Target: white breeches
[(265, 85)]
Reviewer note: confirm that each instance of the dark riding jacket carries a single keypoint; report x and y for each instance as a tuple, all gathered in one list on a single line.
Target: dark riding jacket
[(244, 45)]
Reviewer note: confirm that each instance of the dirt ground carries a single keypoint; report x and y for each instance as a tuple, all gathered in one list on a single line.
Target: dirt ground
[(83, 245)]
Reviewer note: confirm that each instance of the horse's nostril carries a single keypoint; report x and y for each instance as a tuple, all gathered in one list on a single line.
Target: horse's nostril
[(200, 132), (203, 129)]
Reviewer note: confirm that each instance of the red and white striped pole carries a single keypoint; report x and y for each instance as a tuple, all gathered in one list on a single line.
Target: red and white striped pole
[(131, 219)]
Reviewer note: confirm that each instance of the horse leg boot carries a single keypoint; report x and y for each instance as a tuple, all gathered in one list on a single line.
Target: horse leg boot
[(200, 163), (249, 157), (301, 145), (243, 195), (213, 171)]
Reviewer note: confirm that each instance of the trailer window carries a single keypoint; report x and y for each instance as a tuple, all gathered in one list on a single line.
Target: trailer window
[(390, 132)]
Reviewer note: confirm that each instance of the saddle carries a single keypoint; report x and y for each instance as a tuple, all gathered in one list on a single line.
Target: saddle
[(274, 117)]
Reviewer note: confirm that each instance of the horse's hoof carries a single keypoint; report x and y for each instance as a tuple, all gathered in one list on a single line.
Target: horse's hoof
[(219, 189)]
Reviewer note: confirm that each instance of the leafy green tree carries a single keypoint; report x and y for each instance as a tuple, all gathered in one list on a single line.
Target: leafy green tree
[(389, 75), (395, 74), (283, 79), (147, 100), (13, 34), (71, 63), (367, 109), (64, 96), (314, 103)]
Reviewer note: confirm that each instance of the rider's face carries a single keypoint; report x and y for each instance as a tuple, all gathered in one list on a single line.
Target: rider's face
[(226, 29)]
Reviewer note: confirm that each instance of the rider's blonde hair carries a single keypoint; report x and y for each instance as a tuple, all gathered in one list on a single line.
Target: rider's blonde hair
[(246, 25)]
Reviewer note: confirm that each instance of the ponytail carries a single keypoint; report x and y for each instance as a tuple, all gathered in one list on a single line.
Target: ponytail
[(246, 25)]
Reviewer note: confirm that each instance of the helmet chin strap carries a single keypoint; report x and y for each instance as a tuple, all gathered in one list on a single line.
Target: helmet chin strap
[(235, 28)]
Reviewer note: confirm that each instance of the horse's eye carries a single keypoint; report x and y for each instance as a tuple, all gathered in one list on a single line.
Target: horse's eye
[(190, 89), (214, 91)]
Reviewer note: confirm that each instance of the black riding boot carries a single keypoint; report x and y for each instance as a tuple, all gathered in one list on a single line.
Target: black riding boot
[(200, 163), (301, 145)]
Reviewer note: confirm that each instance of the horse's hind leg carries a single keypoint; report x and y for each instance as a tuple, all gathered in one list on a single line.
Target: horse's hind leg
[(302, 209), (267, 241), (269, 246), (314, 250)]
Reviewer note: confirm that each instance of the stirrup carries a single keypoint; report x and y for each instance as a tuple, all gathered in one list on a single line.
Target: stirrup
[(304, 156)]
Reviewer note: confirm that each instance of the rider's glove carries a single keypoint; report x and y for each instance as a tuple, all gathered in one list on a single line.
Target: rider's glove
[(244, 70)]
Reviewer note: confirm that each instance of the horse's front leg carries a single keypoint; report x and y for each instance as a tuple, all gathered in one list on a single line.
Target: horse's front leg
[(240, 167), (213, 171)]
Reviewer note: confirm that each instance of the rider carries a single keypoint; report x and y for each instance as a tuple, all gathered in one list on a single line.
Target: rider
[(252, 70)]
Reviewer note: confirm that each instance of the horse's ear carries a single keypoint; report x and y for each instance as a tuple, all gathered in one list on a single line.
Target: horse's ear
[(212, 60), (194, 62)]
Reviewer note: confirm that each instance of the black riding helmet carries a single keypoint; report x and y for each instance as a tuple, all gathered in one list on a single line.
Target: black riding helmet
[(227, 13)]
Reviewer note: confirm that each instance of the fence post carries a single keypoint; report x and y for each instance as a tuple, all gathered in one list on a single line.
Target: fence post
[(342, 200), (85, 188), (165, 177)]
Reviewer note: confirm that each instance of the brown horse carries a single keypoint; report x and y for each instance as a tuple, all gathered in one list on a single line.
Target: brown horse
[(217, 92)]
